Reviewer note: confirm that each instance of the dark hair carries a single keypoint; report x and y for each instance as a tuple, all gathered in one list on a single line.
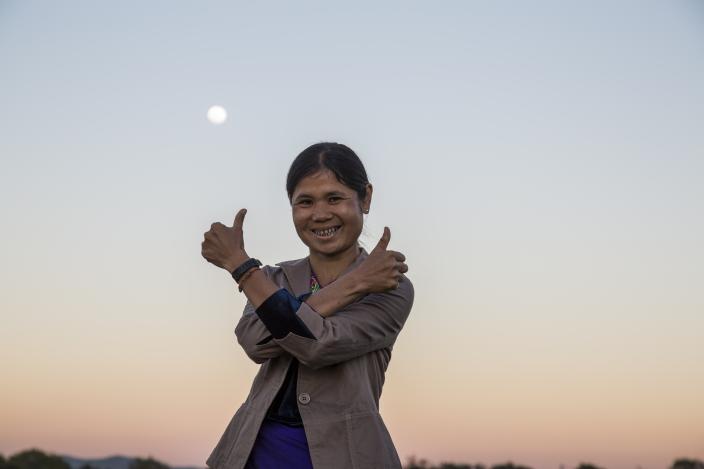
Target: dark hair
[(338, 158)]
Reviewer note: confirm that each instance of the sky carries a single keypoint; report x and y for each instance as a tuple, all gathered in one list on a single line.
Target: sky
[(538, 163)]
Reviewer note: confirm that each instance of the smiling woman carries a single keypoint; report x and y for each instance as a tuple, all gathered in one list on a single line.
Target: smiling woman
[(328, 192), (321, 327)]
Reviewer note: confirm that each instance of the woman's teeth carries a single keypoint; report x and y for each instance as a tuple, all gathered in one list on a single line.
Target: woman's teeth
[(326, 233)]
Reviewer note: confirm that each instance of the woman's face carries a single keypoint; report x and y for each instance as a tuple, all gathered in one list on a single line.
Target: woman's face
[(327, 214)]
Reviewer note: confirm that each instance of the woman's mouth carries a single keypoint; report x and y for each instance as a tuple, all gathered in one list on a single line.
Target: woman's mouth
[(326, 233)]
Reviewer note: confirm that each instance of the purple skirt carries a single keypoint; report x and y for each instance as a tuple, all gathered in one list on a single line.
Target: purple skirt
[(279, 446)]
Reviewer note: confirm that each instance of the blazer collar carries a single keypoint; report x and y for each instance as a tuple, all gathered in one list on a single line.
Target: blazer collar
[(297, 272)]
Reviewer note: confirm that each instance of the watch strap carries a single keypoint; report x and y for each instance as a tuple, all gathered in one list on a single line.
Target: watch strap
[(244, 267)]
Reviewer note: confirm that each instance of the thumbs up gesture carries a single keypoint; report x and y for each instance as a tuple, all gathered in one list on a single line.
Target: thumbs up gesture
[(381, 270), (223, 245)]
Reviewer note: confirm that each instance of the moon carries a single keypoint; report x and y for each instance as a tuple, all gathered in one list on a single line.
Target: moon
[(217, 115)]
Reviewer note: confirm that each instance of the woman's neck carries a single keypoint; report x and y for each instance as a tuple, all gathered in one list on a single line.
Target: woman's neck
[(328, 268)]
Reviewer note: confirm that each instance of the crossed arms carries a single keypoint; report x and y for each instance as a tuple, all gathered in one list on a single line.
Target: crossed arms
[(283, 323)]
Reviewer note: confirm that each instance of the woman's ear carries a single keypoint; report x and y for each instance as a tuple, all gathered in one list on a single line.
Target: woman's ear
[(366, 203)]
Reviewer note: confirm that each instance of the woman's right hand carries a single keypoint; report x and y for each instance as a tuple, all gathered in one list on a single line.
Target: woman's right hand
[(381, 270)]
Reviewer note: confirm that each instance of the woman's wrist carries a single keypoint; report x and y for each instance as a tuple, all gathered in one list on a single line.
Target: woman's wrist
[(356, 283), (340, 293), (235, 261)]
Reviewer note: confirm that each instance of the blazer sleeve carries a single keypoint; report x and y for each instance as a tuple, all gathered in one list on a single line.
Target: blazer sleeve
[(254, 337), (369, 324)]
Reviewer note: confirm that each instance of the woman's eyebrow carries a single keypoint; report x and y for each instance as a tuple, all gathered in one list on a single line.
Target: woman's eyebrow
[(328, 194)]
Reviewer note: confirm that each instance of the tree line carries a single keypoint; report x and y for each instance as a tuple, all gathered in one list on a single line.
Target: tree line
[(37, 459), (413, 463)]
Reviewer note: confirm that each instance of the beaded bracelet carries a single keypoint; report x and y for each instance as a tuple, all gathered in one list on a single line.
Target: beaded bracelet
[(246, 275)]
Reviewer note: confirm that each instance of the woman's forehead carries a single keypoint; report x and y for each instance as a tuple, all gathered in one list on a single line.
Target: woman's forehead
[(320, 183)]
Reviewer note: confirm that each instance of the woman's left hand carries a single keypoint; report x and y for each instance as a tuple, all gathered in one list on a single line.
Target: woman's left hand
[(224, 245)]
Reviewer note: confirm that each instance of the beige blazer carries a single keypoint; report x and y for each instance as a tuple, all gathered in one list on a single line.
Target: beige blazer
[(340, 375)]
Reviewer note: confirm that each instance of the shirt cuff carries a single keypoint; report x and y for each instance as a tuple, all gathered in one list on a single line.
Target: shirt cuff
[(278, 313)]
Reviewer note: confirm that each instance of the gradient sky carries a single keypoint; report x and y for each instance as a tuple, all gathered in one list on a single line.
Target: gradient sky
[(540, 164)]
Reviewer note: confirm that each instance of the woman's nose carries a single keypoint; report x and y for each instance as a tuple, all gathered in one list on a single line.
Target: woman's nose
[(321, 213)]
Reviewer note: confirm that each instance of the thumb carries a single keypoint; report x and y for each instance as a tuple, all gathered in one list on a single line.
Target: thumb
[(239, 218), (384, 241)]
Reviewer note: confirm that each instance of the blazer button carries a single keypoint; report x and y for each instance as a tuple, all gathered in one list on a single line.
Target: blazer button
[(304, 398)]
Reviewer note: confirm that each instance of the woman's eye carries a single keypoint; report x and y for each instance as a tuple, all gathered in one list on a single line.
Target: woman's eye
[(304, 202), (334, 199)]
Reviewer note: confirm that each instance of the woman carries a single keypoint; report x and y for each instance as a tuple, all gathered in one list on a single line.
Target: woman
[(321, 327)]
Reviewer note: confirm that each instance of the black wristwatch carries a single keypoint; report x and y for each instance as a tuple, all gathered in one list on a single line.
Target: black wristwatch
[(246, 265)]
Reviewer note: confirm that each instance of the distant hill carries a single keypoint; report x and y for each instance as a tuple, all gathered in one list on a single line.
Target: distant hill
[(111, 462)]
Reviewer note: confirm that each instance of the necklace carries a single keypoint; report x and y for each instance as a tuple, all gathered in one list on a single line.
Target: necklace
[(314, 284)]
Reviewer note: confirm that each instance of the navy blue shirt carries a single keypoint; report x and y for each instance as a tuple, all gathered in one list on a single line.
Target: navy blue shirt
[(278, 313)]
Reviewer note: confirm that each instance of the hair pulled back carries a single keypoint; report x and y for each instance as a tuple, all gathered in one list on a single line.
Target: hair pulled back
[(336, 157)]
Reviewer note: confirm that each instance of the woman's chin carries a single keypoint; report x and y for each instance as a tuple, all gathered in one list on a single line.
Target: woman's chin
[(326, 249)]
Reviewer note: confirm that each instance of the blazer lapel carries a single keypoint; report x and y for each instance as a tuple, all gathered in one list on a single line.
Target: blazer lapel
[(298, 272)]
